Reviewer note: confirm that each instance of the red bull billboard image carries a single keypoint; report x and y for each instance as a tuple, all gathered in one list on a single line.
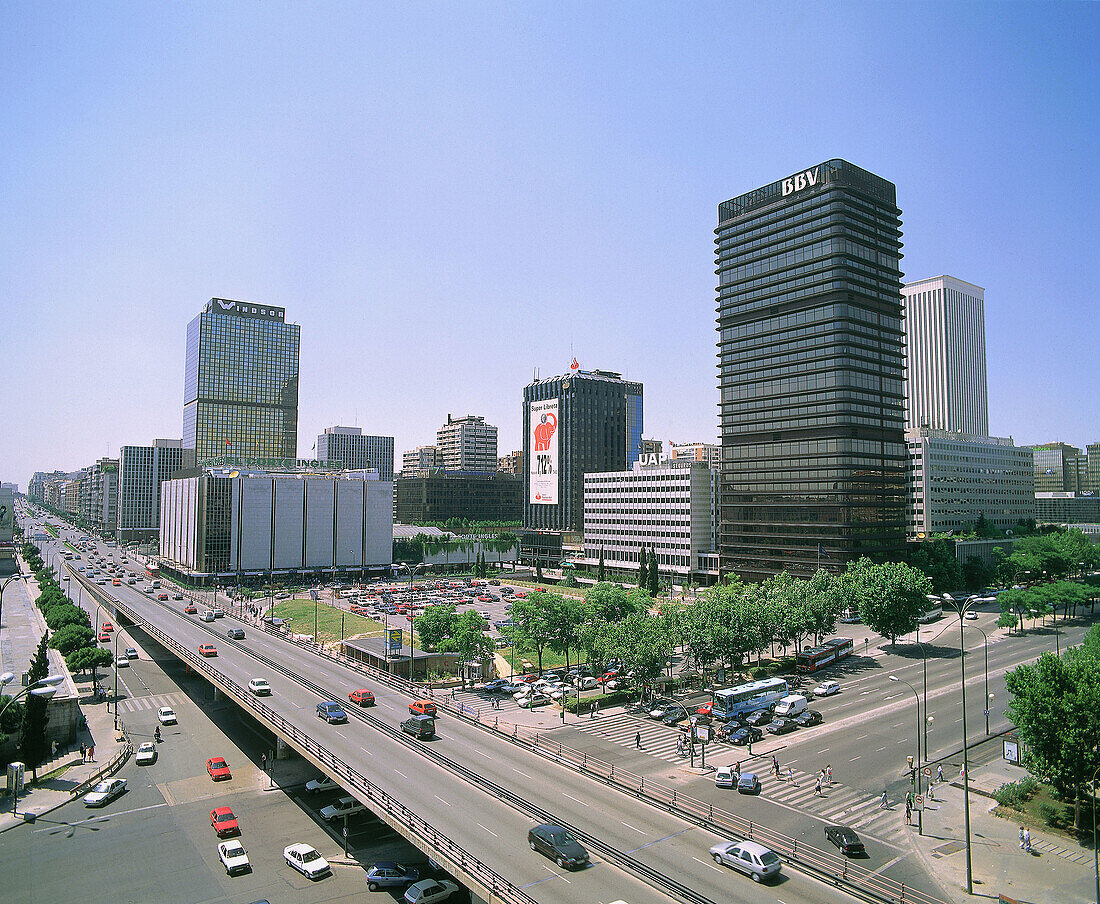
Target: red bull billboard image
[(543, 468)]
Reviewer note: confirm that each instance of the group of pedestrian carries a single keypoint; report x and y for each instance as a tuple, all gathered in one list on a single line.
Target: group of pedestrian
[(594, 710), (87, 753), (1025, 839)]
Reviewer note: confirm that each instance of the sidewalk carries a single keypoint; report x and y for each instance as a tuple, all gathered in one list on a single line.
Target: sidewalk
[(1056, 871)]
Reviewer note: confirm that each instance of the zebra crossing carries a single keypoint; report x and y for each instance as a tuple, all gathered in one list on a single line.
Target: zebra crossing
[(151, 702), (837, 803)]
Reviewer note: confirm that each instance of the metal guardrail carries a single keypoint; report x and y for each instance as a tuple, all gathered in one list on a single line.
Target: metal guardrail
[(111, 768)]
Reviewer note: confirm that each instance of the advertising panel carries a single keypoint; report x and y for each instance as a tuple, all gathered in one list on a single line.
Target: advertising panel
[(394, 637), (543, 467)]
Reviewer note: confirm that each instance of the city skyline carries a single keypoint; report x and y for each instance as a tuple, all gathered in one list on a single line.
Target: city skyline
[(551, 196)]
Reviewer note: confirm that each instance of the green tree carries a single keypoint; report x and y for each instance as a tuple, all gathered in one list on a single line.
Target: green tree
[(984, 529), (84, 658), (642, 640), (538, 570), (32, 727), (564, 616), (609, 602), (72, 637), (532, 628), (654, 583), (936, 558), (1056, 708), (892, 595), (976, 574), (643, 567), (60, 616), (600, 569), (468, 640), (435, 625)]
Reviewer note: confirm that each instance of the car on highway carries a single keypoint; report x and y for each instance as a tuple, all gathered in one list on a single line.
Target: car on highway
[(430, 891), (148, 590), (782, 726), (208, 649), (131, 653), (307, 860), (131, 581), (233, 857), (846, 839), (746, 735), (103, 637), (827, 689), (166, 715), (331, 712), (747, 857), (758, 718), (107, 626), (421, 727), (971, 615), (559, 844), (748, 783), (388, 874), (191, 609), (808, 718), (103, 793), (224, 822), (162, 596), (122, 662), (422, 708), (362, 697), (235, 633), (259, 687), (146, 754), (218, 769), (177, 596), (343, 806)]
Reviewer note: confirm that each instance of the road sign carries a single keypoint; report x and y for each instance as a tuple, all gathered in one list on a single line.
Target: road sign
[(927, 770), (985, 712), (345, 831), (920, 800)]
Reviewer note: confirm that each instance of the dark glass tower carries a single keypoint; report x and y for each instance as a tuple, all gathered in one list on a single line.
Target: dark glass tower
[(241, 382), (810, 364)]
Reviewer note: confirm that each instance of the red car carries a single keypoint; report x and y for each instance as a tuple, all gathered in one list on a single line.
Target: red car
[(107, 626), (704, 710), (208, 649), (218, 769), (224, 822), (104, 637), (191, 609), (422, 708), (363, 697), (162, 596)]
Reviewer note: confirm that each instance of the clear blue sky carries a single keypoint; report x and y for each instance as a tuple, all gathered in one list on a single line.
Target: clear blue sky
[(449, 196)]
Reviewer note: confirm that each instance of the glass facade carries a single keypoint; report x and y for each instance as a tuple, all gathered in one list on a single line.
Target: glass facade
[(241, 384), (810, 373)]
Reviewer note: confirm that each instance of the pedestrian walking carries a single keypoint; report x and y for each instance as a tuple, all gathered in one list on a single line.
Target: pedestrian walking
[(829, 773), (1027, 840), (939, 773), (82, 752), (909, 799), (817, 787), (931, 790), (91, 754), (908, 812), (790, 777), (638, 740), (775, 766), (1021, 838), (884, 804), (596, 708)]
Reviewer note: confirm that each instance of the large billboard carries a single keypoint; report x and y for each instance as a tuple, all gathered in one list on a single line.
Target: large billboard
[(543, 467)]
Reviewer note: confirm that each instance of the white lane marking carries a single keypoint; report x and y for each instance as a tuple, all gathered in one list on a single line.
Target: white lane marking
[(440, 799), (344, 736), (705, 863), (904, 741), (490, 831), (862, 737), (399, 772), (856, 757), (629, 826), (524, 774), (482, 753), (880, 749), (823, 751), (571, 797)]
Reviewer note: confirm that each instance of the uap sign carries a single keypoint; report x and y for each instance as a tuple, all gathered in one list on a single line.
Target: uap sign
[(801, 180)]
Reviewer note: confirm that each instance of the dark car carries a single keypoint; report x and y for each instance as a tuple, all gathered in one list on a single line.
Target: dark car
[(331, 711), (420, 727), (845, 839), (808, 718), (235, 633), (748, 783), (558, 843), (746, 735), (758, 718), (782, 726), (388, 874), (674, 716)]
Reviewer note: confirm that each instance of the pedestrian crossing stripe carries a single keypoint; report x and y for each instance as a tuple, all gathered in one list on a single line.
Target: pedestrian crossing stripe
[(156, 701)]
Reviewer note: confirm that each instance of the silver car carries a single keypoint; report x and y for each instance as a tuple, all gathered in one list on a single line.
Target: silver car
[(747, 857), (105, 792)]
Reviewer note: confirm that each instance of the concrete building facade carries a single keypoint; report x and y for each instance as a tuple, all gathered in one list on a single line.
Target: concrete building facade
[(467, 444), (141, 471), (356, 451)]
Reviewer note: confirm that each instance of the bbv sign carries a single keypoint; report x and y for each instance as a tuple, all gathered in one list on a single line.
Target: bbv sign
[(802, 180)]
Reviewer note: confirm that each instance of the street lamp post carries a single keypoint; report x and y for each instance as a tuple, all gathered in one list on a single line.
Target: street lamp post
[(915, 774), (117, 632), (14, 577), (924, 675), (1095, 862), (988, 696), (961, 607)]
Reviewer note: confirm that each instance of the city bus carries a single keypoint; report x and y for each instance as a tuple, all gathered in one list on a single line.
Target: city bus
[(152, 571), (830, 651), (734, 702), (933, 611)]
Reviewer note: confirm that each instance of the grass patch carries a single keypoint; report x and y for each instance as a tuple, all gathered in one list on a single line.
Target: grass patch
[(1029, 802), (299, 615)]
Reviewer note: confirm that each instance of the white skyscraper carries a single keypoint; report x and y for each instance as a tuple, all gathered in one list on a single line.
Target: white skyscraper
[(945, 374)]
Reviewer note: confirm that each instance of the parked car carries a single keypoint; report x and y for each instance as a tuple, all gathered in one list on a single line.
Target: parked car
[(535, 698), (218, 769), (103, 793), (827, 689), (166, 715), (559, 844), (724, 777), (306, 860), (362, 697), (388, 874), (748, 783), (782, 726), (808, 718), (846, 839), (234, 858), (321, 783), (146, 754), (344, 806), (259, 687), (747, 857), (331, 712), (430, 891), (224, 822)]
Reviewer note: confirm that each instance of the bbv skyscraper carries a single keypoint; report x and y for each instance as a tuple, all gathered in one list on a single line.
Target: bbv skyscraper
[(810, 364)]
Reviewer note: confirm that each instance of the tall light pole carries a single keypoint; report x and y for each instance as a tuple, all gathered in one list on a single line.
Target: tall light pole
[(117, 632), (924, 674), (1095, 862), (915, 775), (961, 608), (988, 696), (14, 577)]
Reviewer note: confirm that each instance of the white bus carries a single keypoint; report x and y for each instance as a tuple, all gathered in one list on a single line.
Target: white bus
[(933, 612), (733, 702)]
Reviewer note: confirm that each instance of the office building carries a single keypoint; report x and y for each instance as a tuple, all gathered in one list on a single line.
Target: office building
[(7, 529), (467, 444), (1060, 468), (437, 497), (811, 356), (251, 526), (1067, 508), (422, 458), (652, 447), (710, 453), (955, 479), (667, 509), (512, 463), (98, 496), (575, 424), (141, 471), (356, 452), (240, 395), (945, 365)]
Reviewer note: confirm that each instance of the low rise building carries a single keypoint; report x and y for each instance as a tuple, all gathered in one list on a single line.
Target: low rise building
[(1067, 508), (423, 497)]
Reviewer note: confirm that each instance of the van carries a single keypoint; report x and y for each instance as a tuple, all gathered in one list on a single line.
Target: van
[(791, 706), (208, 615), (420, 727)]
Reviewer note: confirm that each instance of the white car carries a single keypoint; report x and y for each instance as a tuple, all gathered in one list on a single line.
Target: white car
[(105, 792), (146, 754), (306, 860), (166, 715), (233, 857), (972, 616), (322, 783), (122, 662), (534, 699), (826, 689), (429, 891), (259, 687), (345, 806)]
